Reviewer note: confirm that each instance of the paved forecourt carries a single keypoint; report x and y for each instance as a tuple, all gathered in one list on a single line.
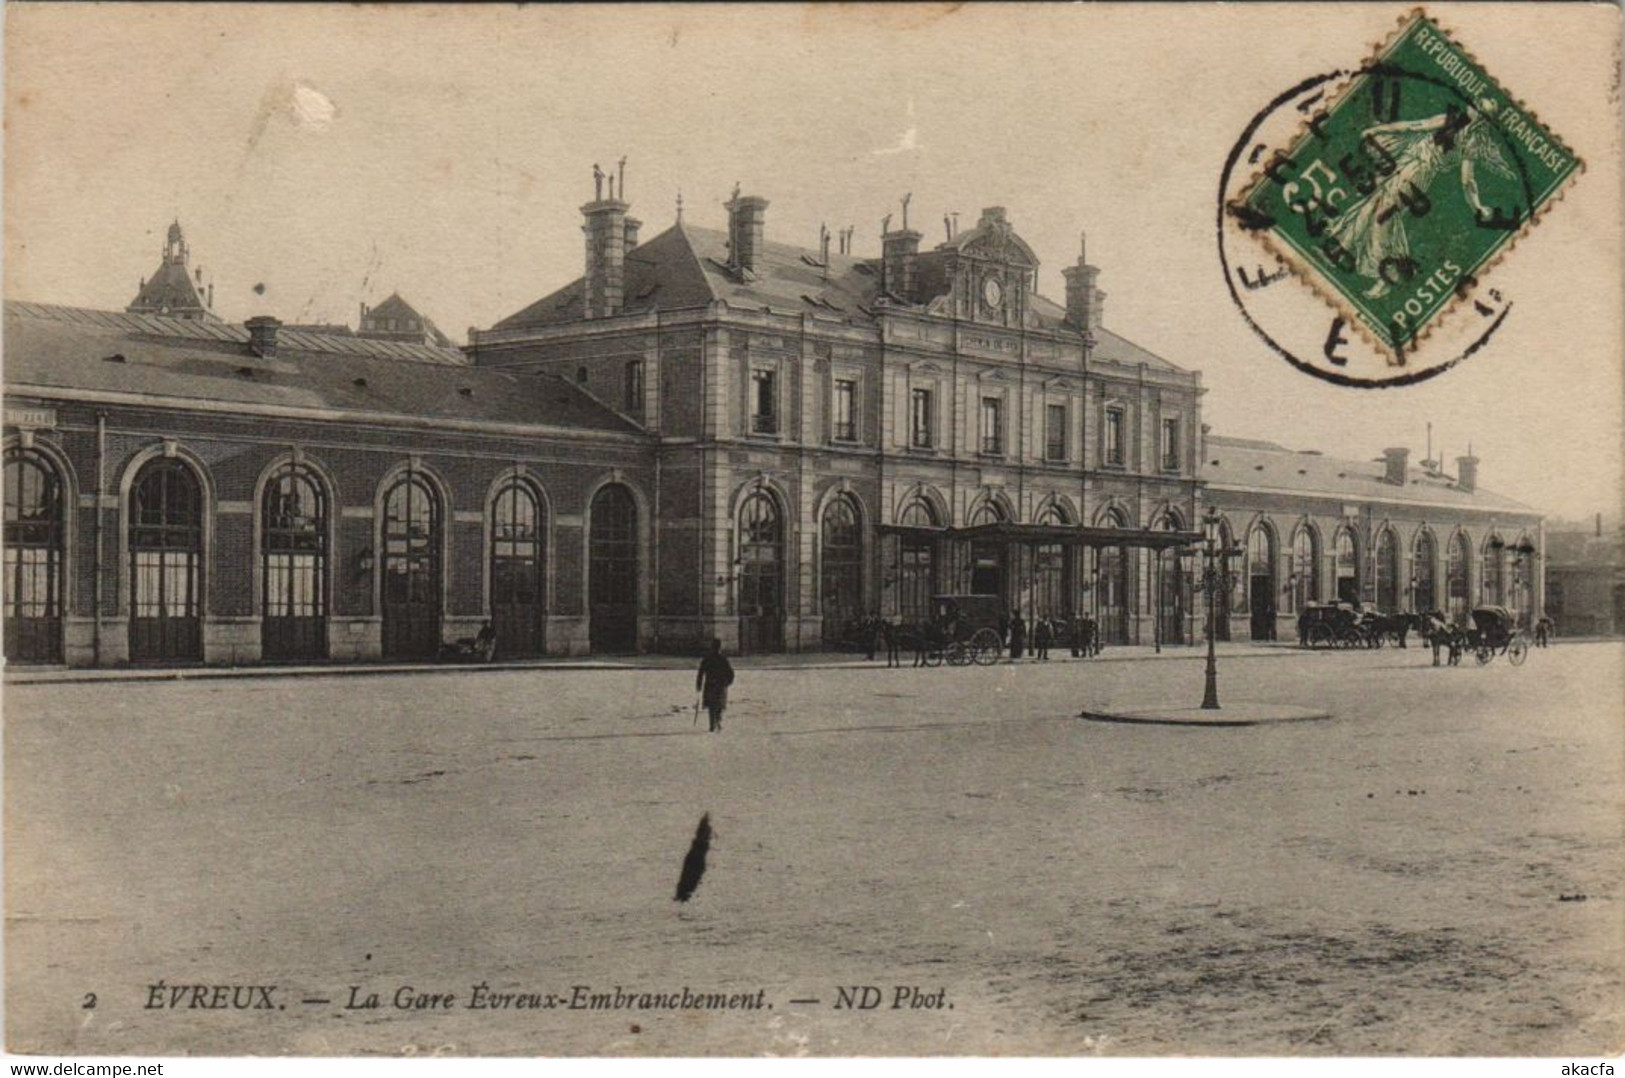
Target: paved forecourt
[(1405, 877)]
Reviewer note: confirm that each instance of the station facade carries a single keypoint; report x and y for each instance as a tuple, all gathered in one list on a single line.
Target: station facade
[(708, 434)]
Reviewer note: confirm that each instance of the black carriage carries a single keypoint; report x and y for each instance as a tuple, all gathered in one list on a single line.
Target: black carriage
[(1339, 625), (966, 629), (1495, 632)]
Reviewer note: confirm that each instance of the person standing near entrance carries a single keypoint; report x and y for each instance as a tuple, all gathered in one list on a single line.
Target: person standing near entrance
[(1018, 635), (712, 681), (1043, 635)]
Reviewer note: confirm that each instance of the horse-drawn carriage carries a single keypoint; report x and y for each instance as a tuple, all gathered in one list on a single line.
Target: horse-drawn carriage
[(1338, 625), (964, 629), (1495, 632), (1341, 625)]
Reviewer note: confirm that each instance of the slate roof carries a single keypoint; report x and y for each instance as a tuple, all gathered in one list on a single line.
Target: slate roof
[(396, 307), (686, 267), (1255, 464), (171, 288), (68, 348), (305, 338)]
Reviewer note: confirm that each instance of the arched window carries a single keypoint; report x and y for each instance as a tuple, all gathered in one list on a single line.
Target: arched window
[(1493, 590), (1305, 567), (761, 574), (293, 566), (1456, 577), (1261, 588), (166, 563), (518, 604), (1348, 567), (1424, 558), (916, 562), (33, 558), (841, 567), (1388, 571), (411, 566), (989, 512), (612, 572)]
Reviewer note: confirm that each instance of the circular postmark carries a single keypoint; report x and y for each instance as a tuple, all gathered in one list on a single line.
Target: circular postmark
[(1291, 304)]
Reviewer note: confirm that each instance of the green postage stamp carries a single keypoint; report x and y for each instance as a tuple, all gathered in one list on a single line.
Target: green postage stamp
[(1396, 197)]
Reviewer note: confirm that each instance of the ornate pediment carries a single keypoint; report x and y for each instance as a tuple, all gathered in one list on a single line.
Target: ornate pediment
[(994, 240)]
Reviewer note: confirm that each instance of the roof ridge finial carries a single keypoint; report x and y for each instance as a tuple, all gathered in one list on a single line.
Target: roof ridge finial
[(679, 205)]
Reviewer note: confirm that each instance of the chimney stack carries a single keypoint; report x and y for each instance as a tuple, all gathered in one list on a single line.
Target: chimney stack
[(746, 217), (1467, 473), (1085, 304), (604, 285), (1396, 460), (632, 226), (897, 251), (262, 335)]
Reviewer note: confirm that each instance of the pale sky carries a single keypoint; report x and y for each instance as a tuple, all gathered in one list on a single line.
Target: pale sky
[(337, 154)]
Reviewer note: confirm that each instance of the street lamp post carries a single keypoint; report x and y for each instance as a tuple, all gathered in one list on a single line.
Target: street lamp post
[(1215, 579)]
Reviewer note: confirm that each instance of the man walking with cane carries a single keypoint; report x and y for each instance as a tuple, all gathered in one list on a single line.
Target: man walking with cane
[(712, 681)]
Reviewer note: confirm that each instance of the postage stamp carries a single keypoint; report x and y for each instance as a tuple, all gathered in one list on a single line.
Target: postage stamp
[(1399, 194)]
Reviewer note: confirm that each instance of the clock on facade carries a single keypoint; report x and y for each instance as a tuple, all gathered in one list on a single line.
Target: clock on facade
[(992, 292)]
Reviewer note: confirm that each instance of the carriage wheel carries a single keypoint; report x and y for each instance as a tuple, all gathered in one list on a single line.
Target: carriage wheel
[(1518, 650), (1484, 654), (985, 647), (933, 655), (958, 654), (1321, 637)]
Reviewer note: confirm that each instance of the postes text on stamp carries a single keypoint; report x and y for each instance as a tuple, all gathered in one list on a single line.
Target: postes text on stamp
[(1396, 197)]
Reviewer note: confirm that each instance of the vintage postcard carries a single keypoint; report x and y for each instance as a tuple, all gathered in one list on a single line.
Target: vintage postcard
[(603, 531)]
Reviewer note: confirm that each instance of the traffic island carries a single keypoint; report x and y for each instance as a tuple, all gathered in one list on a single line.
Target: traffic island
[(1242, 714)]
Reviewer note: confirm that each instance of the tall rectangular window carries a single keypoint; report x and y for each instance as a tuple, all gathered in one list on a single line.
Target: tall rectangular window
[(1055, 432), (992, 425), (921, 419), (764, 414), (1114, 436), (1170, 444), (634, 386), (845, 410)]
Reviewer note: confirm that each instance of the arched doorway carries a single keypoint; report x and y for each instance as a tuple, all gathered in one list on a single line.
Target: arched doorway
[(1424, 596), (518, 570), (917, 564), (166, 564), (1388, 571), (841, 568), (1305, 567), (1456, 582), (1052, 572), (761, 575), (33, 558), (1261, 581), (411, 567), (1110, 584), (987, 556), (1347, 559), (612, 571), (1171, 585), (293, 566)]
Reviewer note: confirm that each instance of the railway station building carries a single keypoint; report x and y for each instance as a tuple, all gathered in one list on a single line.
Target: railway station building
[(709, 433)]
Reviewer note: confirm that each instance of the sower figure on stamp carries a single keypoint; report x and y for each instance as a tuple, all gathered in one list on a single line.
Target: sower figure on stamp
[(712, 682)]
